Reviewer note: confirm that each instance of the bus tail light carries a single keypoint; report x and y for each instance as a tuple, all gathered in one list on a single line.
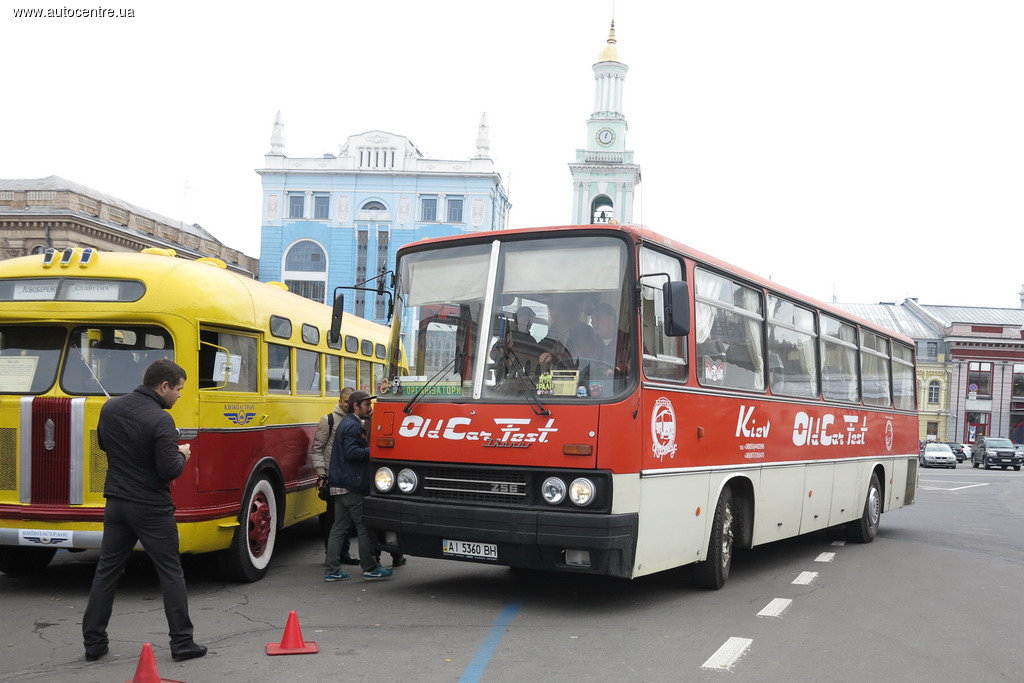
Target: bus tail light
[(385, 442), (577, 449)]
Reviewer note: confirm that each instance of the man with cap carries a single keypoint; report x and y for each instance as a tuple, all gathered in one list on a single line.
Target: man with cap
[(349, 481)]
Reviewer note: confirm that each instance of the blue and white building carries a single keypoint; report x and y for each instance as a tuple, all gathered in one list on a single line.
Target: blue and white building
[(337, 220)]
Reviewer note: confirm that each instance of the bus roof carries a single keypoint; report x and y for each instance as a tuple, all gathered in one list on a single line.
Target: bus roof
[(640, 233), (174, 285)]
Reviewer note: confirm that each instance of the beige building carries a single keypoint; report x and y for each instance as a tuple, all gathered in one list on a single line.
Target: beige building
[(54, 212)]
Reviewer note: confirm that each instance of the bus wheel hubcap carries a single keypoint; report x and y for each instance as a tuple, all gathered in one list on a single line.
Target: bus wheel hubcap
[(259, 524)]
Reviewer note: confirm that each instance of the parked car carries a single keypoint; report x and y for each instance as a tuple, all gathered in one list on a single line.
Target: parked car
[(961, 451), (992, 451), (937, 454)]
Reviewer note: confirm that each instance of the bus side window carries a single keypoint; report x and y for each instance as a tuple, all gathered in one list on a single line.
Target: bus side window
[(307, 369), (664, 356), (333, 375), (227, 362), (278, 369)]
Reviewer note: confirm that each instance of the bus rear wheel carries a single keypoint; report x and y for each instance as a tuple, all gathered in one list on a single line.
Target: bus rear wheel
[(18, 561), (865, 529), (252, 547), (714, 571)]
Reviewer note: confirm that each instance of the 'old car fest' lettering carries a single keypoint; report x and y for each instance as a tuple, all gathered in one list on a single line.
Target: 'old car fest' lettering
[(826, 430), (511, 431)]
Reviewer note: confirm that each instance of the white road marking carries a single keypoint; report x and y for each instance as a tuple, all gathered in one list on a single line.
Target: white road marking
[(825, 557), (728, 654), (775, 608), (839, 544), (805, 578), (955, 488)]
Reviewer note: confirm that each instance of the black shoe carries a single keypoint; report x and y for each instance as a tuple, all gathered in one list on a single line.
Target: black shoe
[(348, 559), (398, 561), (93, 656), (190, 652)]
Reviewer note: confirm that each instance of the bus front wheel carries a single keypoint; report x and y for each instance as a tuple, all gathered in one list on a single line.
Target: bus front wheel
[(865, 529), (713, 572), (19, 561), (253, 545)]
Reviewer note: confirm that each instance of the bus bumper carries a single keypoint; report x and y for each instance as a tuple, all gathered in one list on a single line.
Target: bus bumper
[(527, 539)]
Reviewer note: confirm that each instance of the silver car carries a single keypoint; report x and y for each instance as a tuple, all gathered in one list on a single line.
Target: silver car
[(938, 455)]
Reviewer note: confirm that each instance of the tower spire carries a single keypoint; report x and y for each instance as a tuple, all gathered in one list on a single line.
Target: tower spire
[(483, 144)]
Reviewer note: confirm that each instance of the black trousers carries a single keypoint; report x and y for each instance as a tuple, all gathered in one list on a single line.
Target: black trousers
[(124, 523)]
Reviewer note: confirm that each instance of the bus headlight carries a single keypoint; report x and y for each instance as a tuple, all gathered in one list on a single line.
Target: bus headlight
[(407, 481), (581, 492), (384, 479), (553, 490)]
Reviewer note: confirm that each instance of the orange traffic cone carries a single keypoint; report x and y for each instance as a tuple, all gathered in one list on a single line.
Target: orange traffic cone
[(146, 671), (292, 643)]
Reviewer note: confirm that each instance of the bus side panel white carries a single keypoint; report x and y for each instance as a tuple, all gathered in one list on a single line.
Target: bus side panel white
[(671, 533), (817, 496), (625, 493), (847, 496), (896, 490), (777, 512)]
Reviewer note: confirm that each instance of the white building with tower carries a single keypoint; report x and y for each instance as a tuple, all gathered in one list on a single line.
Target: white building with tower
[(604, 176)]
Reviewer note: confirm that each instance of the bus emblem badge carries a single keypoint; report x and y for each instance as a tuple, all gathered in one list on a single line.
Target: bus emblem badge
[(663, 429), (888, 435), (241, 417)]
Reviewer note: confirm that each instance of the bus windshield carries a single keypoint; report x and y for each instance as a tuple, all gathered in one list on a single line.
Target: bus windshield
[(516, 320)]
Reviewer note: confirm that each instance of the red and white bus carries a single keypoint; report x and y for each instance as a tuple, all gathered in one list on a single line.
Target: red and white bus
[(602, 399)]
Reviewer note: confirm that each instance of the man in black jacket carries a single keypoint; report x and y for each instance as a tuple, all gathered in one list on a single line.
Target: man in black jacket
[(350, 483), (143, 457)]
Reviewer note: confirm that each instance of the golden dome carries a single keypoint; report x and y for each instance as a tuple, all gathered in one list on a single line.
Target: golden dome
[(610, 53)]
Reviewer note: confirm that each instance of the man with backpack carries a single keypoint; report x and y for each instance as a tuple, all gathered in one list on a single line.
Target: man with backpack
[(320, 456)]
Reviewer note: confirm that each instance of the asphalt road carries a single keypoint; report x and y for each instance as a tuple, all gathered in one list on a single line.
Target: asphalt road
[(935, 598)]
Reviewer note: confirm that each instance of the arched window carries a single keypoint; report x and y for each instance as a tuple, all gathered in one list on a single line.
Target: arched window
[(306, 257), (933, 391), (374, 206), (305, 270), (602, 210)]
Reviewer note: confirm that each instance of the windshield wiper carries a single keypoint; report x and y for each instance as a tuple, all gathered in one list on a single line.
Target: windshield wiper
[(430, 382), (88, 366), (538, 407)]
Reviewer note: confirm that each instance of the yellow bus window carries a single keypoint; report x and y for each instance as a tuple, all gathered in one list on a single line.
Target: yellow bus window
[(227, 362), (278, 370), (307, 371), (332, 375)]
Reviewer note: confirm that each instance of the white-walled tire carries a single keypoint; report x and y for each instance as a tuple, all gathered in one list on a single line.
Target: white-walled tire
[(252, 547)]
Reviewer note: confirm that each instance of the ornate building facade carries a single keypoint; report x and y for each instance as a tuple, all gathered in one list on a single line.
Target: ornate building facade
[(970, 366), (604, 176), (338, 219), (53, 212)]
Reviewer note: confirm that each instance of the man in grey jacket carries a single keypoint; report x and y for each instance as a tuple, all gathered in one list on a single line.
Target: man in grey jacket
[(143, 457)]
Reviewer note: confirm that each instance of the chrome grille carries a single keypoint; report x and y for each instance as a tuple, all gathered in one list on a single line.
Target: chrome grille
[(8, 459), (97, 464)]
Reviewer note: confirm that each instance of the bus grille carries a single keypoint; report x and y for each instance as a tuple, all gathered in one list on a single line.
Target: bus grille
[(8, 459), (97, 464), (51, 456), (475, 486)]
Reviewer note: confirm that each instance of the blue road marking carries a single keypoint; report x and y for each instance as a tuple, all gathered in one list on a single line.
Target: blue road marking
[(486, 650)]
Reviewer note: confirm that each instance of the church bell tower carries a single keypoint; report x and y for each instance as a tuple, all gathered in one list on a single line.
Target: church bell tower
[(604, 175)]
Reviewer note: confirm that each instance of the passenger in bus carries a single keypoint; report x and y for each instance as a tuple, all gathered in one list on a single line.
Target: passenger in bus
[(350, 480), (612, 343), (568, 338), (143, 457), (517, 352)]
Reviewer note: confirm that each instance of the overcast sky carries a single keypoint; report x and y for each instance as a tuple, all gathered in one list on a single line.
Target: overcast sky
[(855, 151)]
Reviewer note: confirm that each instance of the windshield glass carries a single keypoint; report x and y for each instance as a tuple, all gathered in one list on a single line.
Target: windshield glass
[(112, 359), (28, 357), (519, 320), (998, 443)]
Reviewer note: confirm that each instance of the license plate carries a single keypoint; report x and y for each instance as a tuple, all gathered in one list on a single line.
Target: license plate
[(480, 551)]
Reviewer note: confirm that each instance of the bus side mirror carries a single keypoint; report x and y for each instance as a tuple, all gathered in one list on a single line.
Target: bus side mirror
[(677, 308), (334, 335)]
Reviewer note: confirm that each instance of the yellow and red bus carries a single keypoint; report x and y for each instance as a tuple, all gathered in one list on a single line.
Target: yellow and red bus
[(602, 399), (78, 326)]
